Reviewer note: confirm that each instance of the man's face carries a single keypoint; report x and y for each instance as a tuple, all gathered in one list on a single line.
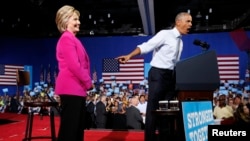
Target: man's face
[(222, 100), (184, 24)]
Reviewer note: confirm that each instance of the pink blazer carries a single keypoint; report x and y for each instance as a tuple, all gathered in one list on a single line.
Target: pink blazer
[(74, 66)]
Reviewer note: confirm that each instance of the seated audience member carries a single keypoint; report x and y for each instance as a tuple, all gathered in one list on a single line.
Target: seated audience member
[(223, 110), (242, 115), (133, 115)]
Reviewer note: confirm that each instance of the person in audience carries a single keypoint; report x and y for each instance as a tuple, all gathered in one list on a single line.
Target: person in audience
[(14, 104), (230, 102), (223, 110), (119, 117), (2, 105), (215, 102), (90, 113), (109, 104), (236, 101), (56, 110), (123, 107), (21, 104), (101, 112), (115, 107), (142, 106), (167, 47), (118, 104), (242, 115), (111, 111), (74, 79), (133, 114), (7, 101)]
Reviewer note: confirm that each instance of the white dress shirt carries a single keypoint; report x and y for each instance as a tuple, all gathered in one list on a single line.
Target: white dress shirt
[(142, 107), (165, 46)]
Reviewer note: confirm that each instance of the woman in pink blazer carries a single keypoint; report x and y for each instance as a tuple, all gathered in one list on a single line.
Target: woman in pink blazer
[(74, 79)]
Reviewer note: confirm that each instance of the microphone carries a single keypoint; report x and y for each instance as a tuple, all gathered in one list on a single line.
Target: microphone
[(204, 45)]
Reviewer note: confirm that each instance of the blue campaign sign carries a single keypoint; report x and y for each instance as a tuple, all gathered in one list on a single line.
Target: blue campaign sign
[(197, 115)]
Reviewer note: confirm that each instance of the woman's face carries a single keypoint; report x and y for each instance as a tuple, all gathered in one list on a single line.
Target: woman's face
[(74, 24)]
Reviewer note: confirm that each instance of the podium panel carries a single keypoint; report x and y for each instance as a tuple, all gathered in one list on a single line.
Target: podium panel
[(23, 78), (195, 96), (197, 77), (198, 73)]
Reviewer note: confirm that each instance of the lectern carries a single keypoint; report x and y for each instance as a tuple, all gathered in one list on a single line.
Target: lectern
[(197, 77), (23, 78)]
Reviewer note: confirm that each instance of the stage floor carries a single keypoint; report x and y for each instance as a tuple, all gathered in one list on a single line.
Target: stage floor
[(12, 128)]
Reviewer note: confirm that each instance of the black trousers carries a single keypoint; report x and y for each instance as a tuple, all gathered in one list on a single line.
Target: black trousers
[(161, 87), (72, 118)]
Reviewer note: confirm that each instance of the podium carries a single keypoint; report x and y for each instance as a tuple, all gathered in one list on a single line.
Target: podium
[(197, 77)]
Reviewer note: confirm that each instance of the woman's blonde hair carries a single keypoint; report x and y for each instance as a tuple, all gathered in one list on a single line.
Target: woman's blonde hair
[(62, 16)]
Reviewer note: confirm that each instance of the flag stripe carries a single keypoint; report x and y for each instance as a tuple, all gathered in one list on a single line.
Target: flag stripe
[(8, 74), (228, 67), (133, 70)]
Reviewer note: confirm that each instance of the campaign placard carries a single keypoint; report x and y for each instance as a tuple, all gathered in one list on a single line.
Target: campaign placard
[(197, 115)]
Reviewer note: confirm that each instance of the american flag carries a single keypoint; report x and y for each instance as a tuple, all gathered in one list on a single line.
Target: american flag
[(228, 67), (8, 74), (133, 70)]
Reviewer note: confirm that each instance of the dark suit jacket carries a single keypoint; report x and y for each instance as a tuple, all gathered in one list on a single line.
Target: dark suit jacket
[(134, 118), (101, 115), (90, 116)]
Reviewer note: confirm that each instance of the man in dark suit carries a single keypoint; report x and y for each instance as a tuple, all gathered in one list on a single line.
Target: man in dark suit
[(101, 112), (133, 115), (90, 107)]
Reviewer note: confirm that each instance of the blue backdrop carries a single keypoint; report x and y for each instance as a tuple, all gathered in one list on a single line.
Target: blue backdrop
[(41, 51)]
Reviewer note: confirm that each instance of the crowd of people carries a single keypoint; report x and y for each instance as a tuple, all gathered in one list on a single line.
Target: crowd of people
[(232, 103), (106, 107), (109, 108), (121, 110)]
